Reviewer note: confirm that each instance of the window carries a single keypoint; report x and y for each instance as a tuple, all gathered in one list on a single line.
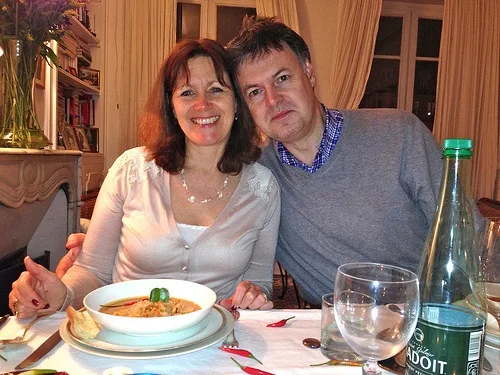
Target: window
[(215, 19), (405, 62)]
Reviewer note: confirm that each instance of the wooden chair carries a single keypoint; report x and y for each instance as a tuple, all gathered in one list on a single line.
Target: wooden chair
[(284, 285)]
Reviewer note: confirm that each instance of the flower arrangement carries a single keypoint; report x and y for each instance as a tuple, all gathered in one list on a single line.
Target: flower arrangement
[(25, 28)]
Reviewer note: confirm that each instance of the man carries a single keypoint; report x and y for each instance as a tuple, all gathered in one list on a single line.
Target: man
[(357, 185)]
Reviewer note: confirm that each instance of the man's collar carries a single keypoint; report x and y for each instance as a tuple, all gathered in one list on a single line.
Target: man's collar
[(330, 134), (324, 115)]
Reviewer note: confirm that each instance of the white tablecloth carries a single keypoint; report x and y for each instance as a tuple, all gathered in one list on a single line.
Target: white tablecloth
[(280, 349)]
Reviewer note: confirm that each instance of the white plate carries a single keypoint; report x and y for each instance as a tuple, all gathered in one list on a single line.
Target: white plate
[(119, 342), (218, 325)]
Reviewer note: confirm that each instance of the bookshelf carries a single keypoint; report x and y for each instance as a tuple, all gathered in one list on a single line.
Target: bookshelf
[(76, 83), (79, 86), (83, 33)]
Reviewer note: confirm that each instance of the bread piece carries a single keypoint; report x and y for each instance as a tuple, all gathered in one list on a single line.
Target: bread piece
[(83, 325)]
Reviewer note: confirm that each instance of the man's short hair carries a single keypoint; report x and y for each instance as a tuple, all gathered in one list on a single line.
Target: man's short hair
[(259, 36)]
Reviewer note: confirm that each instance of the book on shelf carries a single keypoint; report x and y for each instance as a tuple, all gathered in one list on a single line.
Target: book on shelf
[(84, 56), (82, 61), (70, 43), (93, 138), (78, 109), (87, 108), (84, 18)]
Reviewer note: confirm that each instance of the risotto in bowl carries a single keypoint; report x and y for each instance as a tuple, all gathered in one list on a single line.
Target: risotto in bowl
[(149, 306)]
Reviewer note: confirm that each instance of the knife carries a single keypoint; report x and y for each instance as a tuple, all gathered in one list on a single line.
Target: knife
[(40, 351)]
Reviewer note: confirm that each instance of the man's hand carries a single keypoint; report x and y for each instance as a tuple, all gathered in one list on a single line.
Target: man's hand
[(74, 246)]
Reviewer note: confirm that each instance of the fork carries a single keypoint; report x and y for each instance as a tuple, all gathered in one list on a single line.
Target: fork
[(230, 341), (19, 339)]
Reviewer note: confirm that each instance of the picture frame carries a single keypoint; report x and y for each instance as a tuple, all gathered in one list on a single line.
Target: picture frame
[(40, 73), (91, 76), (69, 137), (83, 142), (73, 71), (93, 138)]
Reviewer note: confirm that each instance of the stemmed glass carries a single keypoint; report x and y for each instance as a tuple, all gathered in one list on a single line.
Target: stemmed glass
[(376, 309), (490, 261)]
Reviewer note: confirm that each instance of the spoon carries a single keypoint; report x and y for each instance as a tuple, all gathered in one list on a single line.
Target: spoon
[(12, 342), (20, 336), (4, 319), (333, 362)]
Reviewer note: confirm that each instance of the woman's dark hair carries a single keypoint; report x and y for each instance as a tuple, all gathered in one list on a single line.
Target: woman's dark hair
[(159, 130), (260, 36)]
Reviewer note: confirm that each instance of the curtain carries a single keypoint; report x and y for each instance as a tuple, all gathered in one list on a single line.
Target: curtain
[(354, 35), (467, 103), (149, 35), (286, 10)]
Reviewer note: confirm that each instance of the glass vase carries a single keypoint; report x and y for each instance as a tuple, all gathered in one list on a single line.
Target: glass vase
[(19, 127)]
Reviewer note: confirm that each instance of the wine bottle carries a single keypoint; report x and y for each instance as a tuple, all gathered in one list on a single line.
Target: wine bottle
[(449, 336)]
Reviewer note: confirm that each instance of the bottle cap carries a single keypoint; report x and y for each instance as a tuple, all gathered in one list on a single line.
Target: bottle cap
[(457, 147)]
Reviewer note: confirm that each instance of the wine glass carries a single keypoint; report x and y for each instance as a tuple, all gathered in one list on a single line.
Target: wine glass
[(490, 261), (376, 309)]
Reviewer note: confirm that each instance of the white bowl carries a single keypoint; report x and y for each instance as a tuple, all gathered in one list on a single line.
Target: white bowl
[(197, 293)]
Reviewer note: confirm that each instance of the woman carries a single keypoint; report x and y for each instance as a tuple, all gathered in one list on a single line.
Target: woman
[(191, 204)]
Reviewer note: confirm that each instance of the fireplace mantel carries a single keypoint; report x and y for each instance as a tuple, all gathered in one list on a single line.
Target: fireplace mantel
[(29, 177)]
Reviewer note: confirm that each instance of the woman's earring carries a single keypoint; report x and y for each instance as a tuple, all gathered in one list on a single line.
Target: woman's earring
[(236, 116)]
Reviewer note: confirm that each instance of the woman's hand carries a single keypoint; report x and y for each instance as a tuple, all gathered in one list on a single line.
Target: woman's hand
[(74, 246), (36, 289), (247, 296)]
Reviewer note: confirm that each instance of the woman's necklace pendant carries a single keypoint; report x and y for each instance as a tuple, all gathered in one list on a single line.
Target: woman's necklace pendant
[(192, 199)]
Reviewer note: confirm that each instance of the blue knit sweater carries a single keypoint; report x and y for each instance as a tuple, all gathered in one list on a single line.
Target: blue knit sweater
[(374, 199)]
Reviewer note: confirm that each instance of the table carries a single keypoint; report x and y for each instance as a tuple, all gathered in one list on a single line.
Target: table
[(280, 349)]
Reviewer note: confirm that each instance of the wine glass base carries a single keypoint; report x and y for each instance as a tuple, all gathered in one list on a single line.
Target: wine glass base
[(371, 368)]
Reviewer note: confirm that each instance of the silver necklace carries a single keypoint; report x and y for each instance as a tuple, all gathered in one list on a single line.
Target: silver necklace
[(192, 198)]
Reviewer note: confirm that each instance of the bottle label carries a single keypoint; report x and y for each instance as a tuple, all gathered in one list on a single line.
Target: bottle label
[(446, 341)]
